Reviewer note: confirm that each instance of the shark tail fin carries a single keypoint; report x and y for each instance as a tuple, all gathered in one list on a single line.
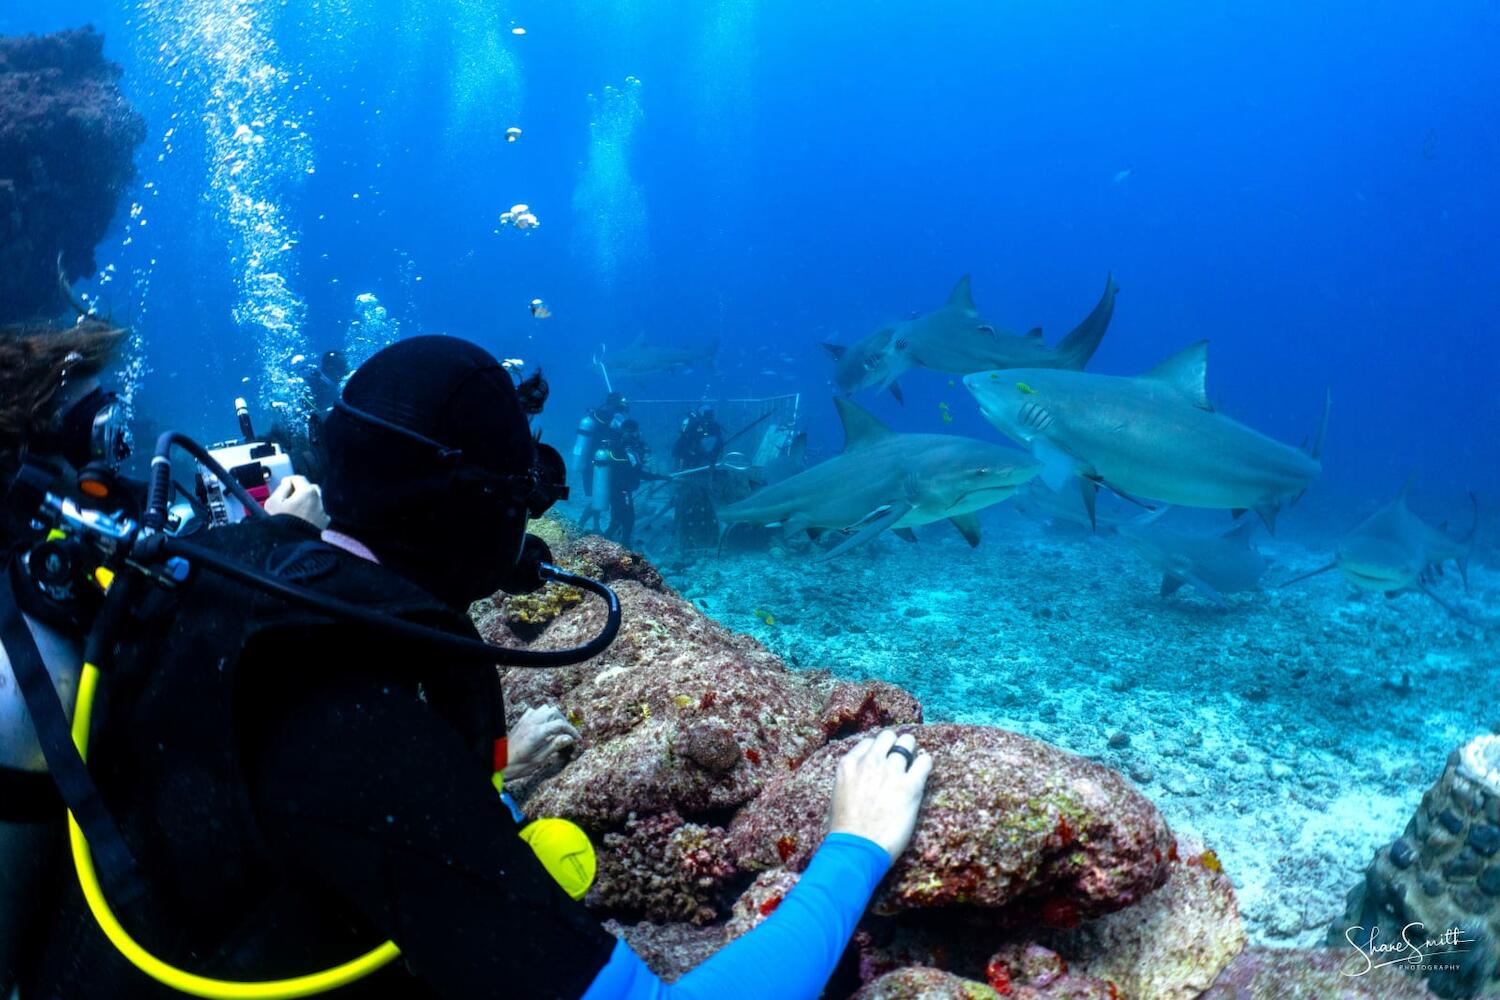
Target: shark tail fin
[(1075, 350)]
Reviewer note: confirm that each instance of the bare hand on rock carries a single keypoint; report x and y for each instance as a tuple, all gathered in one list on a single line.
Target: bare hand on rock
[(877, 794), (538, 737)]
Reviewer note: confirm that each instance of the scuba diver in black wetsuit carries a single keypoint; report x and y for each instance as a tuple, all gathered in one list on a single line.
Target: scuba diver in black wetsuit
[(623, 467), (595, 431), (297, 746), (695, 454)]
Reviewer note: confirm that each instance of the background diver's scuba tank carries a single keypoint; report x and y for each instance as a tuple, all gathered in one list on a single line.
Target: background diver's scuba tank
[(603, 470), (579, 457), (259, 466)]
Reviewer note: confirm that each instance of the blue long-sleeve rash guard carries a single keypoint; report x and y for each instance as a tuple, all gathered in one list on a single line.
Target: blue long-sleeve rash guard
[(790, 955)]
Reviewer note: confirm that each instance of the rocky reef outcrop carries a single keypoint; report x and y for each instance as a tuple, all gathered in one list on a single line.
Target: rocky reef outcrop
[(704, 773), (1433, 894), (67, 137)]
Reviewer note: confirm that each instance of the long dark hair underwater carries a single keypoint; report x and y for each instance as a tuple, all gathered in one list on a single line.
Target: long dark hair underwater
[(36, 359)]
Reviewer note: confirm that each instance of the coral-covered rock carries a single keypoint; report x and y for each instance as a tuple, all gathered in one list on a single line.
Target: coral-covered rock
[(1008, 820), (663, 869), (1019, 973), (1309, 974), (1443, 875), (865, 705), (669, 950), (1172, 944), (67, 138), (759, 901), (660, 708)]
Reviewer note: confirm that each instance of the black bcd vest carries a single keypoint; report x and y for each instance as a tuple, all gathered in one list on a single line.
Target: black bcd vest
[(177, 708)]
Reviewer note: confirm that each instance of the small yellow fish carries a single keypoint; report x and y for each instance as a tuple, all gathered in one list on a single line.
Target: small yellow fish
[(947, 414), (1028, 390), (683, 701), (765, 616)]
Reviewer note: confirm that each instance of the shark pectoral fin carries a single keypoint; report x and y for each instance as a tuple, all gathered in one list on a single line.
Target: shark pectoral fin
[(872, 525), (1452, 609), (905, 534), (835, 351), (795, 523), (895, 389), (1268, 509), (1307, 576), (1089, 490), (968, 526), (1241, 532), (1057, 465), (1171, 584), (1202, 587)]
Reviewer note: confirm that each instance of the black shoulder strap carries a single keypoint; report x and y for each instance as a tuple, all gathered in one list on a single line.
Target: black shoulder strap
[(117, 870)]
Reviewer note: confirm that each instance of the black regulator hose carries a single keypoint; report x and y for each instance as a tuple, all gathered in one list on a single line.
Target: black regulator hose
[(160, 547), (159, 490)]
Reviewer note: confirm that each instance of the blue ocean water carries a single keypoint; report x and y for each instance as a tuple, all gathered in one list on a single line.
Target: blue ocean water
[(1312, 191), (1309, 187)]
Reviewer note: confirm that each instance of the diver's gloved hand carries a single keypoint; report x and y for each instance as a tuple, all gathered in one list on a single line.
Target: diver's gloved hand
[(536, 741), (299, 498), (878, 791)]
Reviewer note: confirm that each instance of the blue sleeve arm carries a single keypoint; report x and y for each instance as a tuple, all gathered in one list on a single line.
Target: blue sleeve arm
[(789, 955)]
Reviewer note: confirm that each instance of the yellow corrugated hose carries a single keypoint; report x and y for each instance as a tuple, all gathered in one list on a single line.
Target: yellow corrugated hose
[(171, 976)]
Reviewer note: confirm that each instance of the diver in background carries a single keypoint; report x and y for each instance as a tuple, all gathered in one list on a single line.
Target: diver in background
[(700, 441), (596, 432), (346, 775), (626, 463), (695, 454)]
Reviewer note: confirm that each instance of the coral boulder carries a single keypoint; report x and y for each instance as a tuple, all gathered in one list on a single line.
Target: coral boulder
[(1008, 822)]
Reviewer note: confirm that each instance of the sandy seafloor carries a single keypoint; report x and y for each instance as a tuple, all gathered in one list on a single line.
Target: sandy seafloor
[(1294, 730)]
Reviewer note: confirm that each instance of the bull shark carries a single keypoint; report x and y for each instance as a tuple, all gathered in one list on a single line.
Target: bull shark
[(1393, 551), (1152, 435), (1214, 565), (1066, 509), (957, 340), (887, 480), (641, 358)]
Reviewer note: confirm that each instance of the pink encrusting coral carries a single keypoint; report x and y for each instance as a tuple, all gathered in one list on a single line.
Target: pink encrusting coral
[(1007, 820)]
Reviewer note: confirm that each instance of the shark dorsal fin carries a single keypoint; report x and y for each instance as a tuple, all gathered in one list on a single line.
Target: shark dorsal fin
[(861, 427), (835, 351), (1187, 371), (1035, 333), (961, 297)]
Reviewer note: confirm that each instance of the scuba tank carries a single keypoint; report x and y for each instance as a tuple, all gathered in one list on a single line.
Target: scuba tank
[(578, 459), (603, 460)]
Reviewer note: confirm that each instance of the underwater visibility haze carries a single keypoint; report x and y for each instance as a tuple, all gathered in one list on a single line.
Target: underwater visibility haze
[(1201, 297)]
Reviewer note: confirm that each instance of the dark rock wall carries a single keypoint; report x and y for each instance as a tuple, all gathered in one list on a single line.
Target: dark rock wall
[(67, 138)]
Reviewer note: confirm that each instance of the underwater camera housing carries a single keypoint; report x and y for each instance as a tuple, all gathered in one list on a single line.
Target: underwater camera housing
[(258, 466)]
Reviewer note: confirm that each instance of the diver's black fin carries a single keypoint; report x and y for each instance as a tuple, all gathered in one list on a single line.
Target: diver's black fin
[(968, 526)]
